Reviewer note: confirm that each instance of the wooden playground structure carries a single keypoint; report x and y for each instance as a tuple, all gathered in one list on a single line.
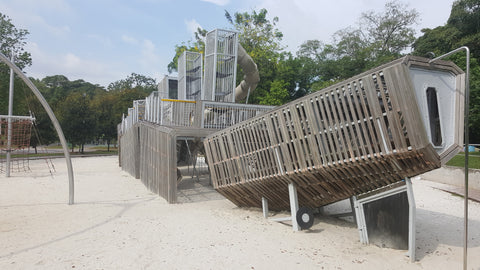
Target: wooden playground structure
[(356, 136), (360, 139)]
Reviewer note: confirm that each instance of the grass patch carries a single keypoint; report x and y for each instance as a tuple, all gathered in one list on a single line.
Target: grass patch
[(459, 160)]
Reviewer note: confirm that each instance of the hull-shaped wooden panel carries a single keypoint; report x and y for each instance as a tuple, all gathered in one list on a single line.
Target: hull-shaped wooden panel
[(347, 139)]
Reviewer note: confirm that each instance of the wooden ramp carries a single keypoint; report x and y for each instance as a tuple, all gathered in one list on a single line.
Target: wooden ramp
[(359, 135)]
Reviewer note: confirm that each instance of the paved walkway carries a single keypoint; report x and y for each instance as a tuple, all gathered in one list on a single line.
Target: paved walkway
[(473, 194)]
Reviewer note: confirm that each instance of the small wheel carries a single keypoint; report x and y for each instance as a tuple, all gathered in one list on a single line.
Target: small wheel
[(304, 218)]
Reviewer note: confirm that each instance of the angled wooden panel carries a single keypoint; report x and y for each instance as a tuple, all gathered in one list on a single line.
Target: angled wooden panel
[(350, 138)]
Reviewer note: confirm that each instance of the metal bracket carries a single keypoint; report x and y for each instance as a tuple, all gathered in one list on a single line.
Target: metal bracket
[(292, 192)]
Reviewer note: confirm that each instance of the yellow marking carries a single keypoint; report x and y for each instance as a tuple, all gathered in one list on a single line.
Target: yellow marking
[(179, 100)]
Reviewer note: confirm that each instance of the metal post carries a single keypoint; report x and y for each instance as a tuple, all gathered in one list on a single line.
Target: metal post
[(9, 121), (292, 192), (265, 207), (54, 120), (466, 136), (411, 220)]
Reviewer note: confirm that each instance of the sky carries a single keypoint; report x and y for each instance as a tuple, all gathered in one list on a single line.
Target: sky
[(103, 41)]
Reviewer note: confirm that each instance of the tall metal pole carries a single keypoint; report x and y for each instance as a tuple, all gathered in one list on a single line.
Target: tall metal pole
[(54, 120), (466, 136), (9, 121)]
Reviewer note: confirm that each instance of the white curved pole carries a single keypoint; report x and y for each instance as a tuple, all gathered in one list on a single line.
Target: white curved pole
[(54, 120)]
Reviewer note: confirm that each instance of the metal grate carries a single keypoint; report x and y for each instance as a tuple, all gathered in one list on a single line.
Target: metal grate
[(220, 65), (190, 76)]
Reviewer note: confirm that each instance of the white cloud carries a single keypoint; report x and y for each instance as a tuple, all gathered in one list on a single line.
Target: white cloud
[(129, 40), (149, 59), (301, 20), (218, 2), (71, 61), (72, 66), (25, 14), (102, 40), (192, 26)]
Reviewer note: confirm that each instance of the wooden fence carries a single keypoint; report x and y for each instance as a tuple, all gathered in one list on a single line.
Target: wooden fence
[(129, 151), (348, 139)]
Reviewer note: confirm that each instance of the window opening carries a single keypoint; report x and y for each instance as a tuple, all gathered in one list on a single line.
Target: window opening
[(434, 116)]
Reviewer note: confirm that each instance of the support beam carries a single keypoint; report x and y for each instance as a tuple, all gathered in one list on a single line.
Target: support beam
[(265, 207), (411, 220), (292, 192), (10, 113)]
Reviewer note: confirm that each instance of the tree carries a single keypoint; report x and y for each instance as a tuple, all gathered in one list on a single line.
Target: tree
[(12, 41), (261, 40), (134, 81), (77, 119), (379, 38), (462, 28), (465, 16), (390, 31), (124, 99), (107, 116), (277, 95), (197, 46), (43, 132)]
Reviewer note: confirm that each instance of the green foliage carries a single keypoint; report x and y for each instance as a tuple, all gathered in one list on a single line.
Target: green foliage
[(86, 111), (459, 161), (261, 40), (12, 41), (462, 29), (390, 31), (134, 81), (256, 31), (465, 16), (379, 38), (277, 95), (77, 118), (197, 46), (43, 132), (107, 116)]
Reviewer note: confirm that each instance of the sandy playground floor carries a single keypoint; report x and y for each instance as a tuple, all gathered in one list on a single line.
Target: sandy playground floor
[(116, 223)]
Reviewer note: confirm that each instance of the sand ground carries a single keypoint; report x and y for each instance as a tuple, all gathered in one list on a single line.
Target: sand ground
[(116, 223)]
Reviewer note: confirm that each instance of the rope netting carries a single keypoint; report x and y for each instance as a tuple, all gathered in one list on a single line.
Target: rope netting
[(18, 145)]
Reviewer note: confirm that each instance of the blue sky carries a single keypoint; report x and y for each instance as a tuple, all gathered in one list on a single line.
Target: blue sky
[(102, 41)]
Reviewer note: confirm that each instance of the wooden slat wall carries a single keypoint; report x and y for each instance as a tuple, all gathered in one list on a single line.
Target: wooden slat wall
[(158, 158), (130, 152), (148, 152), (347, 139)]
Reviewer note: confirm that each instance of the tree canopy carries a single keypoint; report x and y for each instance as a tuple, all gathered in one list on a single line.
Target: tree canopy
[(134, 81), (12, 41), (90, 112), (462, 29)]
